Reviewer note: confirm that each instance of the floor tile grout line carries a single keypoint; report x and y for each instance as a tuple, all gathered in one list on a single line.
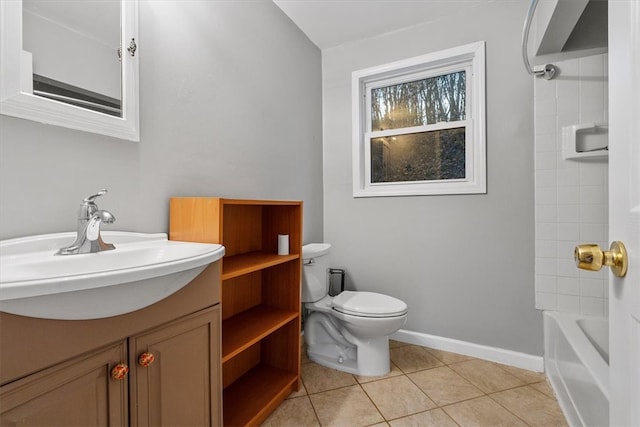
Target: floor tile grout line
[(332, 389), (372, 402), (308, 396), (442, 407), (483, 393), (422, 391), (507, 409), (453, 403), (518, 386), (490, 395), (478, 397), (524, 383)]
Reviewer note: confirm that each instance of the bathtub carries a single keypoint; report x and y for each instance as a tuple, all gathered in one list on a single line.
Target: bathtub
[(576, 360)]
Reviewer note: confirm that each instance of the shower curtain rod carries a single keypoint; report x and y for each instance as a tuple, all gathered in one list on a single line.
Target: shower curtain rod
[(549, 70)]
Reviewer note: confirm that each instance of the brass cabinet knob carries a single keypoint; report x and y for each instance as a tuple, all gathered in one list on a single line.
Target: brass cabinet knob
[(591, 257), (120, 371), (146, 359)]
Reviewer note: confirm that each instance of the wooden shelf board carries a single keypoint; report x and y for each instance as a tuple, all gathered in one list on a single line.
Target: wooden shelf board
[(261, 202), (247, 328), (237, 265), (250, 399)]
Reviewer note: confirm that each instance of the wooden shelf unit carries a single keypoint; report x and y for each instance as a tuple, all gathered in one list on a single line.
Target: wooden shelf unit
[(263, 387), (239, 265), (260, 296)]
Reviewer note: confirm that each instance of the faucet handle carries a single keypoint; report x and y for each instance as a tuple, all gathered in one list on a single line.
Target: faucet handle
[(91, 198), (88, 208)]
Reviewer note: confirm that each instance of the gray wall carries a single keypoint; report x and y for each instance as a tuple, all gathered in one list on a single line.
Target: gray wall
[(464, 264), (230, 97)]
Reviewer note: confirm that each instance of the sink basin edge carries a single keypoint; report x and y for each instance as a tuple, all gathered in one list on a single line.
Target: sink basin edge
[(143, 269), (104, 302)]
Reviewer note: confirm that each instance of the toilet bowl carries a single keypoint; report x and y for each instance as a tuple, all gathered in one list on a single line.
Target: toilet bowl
[(349, 332)]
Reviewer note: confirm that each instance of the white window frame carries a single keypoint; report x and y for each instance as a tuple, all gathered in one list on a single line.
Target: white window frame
[(469, 58)]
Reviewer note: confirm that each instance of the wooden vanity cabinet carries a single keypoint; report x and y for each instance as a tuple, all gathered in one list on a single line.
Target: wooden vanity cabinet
[(260, 296), (79, 392), (57, 373), (176, 388)]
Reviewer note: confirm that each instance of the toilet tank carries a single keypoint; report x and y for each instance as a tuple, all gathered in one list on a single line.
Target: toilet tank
[(315, 263)]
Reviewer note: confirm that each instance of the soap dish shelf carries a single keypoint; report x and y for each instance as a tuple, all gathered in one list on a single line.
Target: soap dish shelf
[(585, 141)]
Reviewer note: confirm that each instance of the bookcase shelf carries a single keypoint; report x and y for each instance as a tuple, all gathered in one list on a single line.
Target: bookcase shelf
[(245, 329), (251, 398), (238, 265), (260, 296)]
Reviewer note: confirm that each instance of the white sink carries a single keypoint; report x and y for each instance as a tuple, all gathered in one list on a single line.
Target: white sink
[(142, 270)]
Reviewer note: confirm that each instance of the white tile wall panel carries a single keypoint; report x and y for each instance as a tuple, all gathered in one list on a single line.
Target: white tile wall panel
[(571, 197)]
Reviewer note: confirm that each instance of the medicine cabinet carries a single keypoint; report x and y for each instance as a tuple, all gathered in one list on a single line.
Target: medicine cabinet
[(71, 64)]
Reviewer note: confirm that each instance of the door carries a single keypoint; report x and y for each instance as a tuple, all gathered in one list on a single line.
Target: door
[(176, 379), (624, 209), (79, 392)]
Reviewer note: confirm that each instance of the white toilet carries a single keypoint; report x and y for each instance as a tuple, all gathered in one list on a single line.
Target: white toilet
[(349, 332)]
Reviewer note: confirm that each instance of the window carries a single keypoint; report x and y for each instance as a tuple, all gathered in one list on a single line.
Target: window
[(419, 125)]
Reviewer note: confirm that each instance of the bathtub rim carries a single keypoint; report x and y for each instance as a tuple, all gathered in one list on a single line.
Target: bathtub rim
[(567, 323), (591, 358)]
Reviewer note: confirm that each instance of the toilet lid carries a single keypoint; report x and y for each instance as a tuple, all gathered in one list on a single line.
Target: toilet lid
[(368, 304)]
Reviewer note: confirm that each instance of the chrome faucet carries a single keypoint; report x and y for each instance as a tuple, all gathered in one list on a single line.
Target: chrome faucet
[(88, 239)]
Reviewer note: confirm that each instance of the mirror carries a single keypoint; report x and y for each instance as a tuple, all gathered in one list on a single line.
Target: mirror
[(75, 51), (71, 63)]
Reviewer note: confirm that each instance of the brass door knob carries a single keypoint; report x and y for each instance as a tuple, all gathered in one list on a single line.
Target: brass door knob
[(591, 257)]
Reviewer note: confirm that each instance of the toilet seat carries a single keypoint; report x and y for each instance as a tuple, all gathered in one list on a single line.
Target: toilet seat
[(368, 304)]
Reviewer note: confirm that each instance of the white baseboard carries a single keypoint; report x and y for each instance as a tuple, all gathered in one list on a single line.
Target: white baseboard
[(493, 354)]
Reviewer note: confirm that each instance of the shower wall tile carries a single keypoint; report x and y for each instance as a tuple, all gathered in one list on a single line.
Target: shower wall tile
[(568, 231), (569, 303), (546, 160), (593, 232), (546, 195), (547, 142), (593, 288), (546, 267), (568, 213), (547, 231), (568, 176), (571, 196), (546, 284), (546, 106), (546, 178), (546, 213), (567, 268), (546, 300), (565, 249), (594, 213), (546, 125), (546, 249), (568, 285)]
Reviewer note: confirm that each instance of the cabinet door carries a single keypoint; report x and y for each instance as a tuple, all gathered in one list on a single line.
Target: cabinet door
[(181, 387), (79, 392)]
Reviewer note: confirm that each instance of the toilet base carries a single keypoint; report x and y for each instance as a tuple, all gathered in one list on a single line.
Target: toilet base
[(332, 356), (331, 345)]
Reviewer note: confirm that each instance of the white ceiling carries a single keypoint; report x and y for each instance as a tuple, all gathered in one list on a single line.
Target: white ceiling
[(330, 23)]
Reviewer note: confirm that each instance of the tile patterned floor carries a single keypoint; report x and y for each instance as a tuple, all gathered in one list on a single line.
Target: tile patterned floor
[(426, 387)]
